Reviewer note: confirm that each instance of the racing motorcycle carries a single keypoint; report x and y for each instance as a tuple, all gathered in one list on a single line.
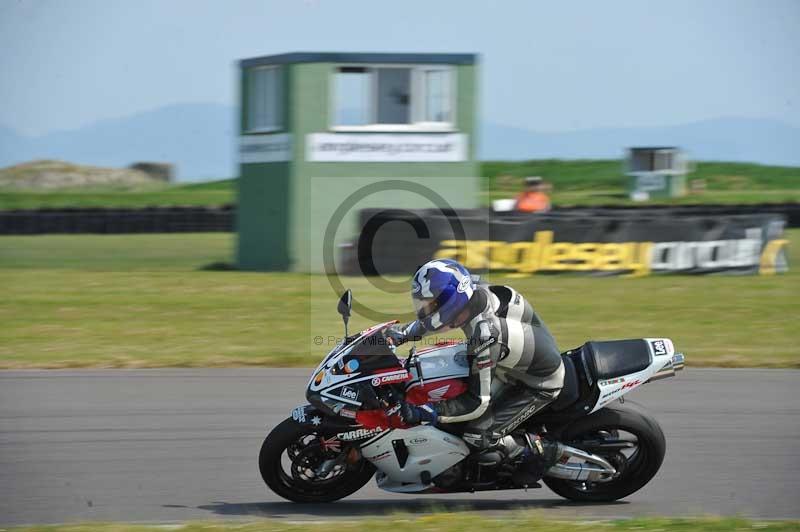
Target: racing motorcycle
[(351, 430)]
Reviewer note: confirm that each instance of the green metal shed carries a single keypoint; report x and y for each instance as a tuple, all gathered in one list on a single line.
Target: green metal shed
[(318, 127)]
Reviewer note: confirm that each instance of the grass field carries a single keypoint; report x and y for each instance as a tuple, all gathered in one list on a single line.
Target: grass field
[(449, 522), (145, 301), (599, 182), (588, 182)]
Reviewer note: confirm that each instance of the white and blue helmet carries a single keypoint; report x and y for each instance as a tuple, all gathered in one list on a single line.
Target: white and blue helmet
[(440, 290)]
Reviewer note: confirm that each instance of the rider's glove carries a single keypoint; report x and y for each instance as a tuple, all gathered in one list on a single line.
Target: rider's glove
[(396, 333), (418, 415)]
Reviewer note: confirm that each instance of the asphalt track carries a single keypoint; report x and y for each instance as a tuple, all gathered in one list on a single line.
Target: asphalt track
[(174, 445)]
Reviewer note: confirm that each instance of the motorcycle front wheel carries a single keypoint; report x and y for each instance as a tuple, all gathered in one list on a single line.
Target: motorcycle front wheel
[(302, 465), (627, 424)]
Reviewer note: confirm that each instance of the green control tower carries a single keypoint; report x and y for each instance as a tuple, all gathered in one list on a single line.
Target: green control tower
[(317, 128)]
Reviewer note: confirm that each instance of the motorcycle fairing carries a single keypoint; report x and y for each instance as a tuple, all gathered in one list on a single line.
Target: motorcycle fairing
[(440, 373), (333, 369), (339, 380), (584, 392), (445, 361), (311, 415), (405, 456), (660, 351)]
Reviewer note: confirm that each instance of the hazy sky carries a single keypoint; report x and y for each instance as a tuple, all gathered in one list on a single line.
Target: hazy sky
[(549, 66)]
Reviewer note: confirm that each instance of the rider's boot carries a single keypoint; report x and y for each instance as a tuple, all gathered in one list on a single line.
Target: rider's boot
[(539, 455)]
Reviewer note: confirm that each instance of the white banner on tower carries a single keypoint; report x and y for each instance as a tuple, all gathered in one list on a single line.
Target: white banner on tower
[(383, 147)]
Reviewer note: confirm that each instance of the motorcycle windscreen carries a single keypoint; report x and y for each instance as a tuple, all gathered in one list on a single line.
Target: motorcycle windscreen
[(344, 381), (374, 356)]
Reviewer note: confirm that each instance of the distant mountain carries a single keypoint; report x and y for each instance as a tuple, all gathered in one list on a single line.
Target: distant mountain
[(724, 139), (201, 138), (198, 138)]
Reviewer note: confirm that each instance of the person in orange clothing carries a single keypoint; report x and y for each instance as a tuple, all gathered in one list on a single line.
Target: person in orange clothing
[(534, 198)]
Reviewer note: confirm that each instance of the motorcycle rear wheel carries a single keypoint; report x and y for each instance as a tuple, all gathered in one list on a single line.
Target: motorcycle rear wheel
[(636, 470), (291, 438)]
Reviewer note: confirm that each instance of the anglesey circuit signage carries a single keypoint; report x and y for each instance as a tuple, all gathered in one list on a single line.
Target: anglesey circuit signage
[(383, 147), (553, 243), (541, 254)]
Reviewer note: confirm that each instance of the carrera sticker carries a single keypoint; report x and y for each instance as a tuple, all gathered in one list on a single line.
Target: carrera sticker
[(358, 434), (395, 377), (659, 347), (612, 381)]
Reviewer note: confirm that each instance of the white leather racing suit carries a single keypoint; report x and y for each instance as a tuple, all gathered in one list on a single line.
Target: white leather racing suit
[(516, 368)]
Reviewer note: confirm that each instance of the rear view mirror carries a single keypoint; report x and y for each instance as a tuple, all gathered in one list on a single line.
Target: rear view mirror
[(344, 308), (345, 304)]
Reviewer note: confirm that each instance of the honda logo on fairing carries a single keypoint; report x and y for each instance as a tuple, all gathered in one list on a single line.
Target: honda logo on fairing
[(438, 393)]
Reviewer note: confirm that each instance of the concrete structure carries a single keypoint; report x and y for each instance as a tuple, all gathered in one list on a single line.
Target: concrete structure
[(656, 172), (319, 127), (161, 171)]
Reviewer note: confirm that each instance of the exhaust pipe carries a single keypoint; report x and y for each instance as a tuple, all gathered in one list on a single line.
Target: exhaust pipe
[(590, 466), (669, 369)]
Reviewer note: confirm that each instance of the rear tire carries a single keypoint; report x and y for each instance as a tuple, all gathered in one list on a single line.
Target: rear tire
[(638, 471), (286, 434)]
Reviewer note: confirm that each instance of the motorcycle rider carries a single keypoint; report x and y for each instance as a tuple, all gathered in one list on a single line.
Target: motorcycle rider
[(516, 368)]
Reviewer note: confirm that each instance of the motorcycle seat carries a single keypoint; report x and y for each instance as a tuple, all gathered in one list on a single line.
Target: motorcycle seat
[(619, 357), (571, 391)]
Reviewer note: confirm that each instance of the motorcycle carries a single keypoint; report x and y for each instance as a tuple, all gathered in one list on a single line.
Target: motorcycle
[(351, 430)]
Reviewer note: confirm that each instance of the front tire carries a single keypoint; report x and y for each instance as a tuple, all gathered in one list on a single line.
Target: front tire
[(298, 442), (636, 470)]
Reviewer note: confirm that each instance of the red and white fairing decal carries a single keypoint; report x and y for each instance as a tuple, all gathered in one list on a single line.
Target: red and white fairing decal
[(661, 350), (435, 391)]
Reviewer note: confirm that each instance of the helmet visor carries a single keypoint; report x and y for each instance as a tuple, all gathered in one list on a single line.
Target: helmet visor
[(426, 307)]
